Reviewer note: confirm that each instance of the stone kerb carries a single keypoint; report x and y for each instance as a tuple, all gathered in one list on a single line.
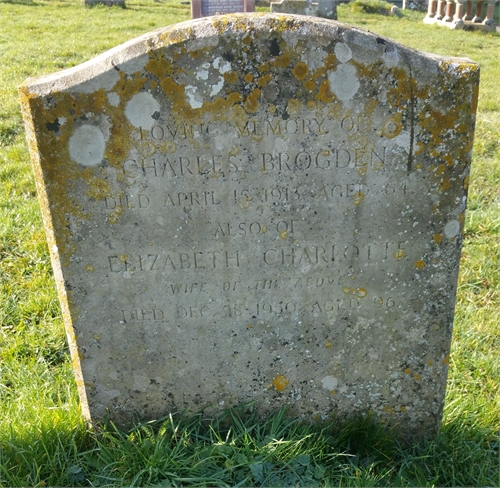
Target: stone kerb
[(260, 208)]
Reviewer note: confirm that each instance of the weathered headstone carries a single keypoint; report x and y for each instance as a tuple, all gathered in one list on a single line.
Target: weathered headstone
[(326, 9), (257, 207), (207, 8), (420, 5)]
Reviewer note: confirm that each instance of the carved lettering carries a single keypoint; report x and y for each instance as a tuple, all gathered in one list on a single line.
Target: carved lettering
[(143, 314), (174, 261)]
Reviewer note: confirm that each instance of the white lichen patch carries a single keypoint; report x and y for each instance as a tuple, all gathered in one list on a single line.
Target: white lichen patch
[(191, 94), (343, 52), (391, 59), (329, 383), (216, 88), (202, 73), (141, 109), (222, 65), (87, 145), (344, 82)]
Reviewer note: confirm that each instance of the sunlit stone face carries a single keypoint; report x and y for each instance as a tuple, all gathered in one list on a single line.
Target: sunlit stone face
[(257, 208)]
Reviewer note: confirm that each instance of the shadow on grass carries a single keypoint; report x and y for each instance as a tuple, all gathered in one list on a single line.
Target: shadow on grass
[(28, 3), (239, 449)]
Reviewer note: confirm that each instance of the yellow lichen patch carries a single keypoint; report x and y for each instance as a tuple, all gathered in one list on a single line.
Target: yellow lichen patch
[(430, 363), (444, 184), (280, 382), (465, 183), (235, 97), (402, 408), (333, 392), (218, 109), (438, 238), (252, 101), (363, 169), (328, 343), (248, 77), (238, 115), (98, 188), (293, 107), (249, 326), (247, 40), (405, 89), (399, 254), (271, 109), (231, 77), (407, 370), (420, 148), (264, 68), (329, 64), (311, 105), (417, 377), (461, 218), (300, 70), (89, 268), (282, 61), (358, 198), (440, 169), (310, 86), (325, 95), (393, 126), (283, 234), (245, 202), (115, 215), (264, 80), (446, 359), (420, 264), (388, 409), (159, 67), (361, 293), (436, 122), (174, 91), (168, 147)]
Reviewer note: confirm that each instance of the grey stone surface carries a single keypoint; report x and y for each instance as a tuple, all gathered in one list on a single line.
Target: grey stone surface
[(257, 207)]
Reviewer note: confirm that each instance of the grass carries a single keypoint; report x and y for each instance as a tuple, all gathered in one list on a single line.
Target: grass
[(43, 440)]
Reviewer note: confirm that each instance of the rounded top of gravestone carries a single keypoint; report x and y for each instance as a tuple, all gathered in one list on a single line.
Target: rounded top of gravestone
[(105, 70)]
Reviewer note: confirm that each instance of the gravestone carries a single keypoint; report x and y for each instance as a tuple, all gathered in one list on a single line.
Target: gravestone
[(326, 9), (420, 5), (206, 8), (260, 208)]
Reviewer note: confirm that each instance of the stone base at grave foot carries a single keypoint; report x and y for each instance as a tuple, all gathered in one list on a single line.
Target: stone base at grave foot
[(462, 24)]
